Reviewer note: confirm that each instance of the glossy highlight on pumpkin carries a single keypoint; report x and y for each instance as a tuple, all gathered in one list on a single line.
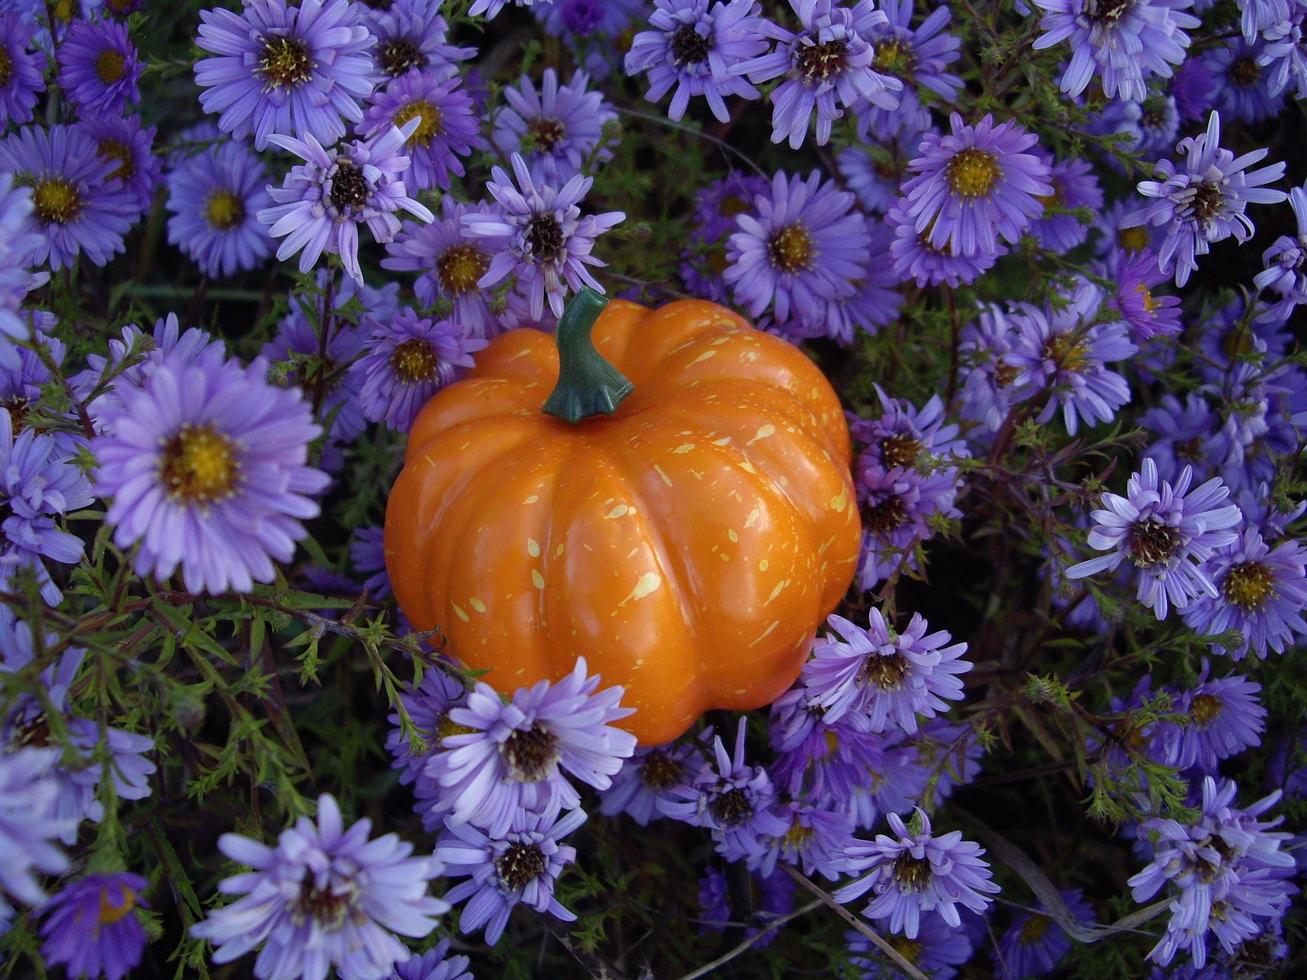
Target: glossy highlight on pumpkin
[(688, 545)]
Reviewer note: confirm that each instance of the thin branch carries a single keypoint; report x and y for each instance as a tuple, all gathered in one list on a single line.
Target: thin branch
[(735, 951)]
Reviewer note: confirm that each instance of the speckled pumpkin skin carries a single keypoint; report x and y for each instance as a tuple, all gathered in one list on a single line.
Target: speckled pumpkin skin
[(687, 546)]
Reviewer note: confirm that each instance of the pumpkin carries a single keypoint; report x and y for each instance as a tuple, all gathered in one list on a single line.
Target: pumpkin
[(679, 510)]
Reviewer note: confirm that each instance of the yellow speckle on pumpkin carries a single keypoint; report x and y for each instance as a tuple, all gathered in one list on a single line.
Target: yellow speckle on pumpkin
[(534, 498), (748, 467), (703, 357), (717, 342), (533, 547), (659, 470), (730, 533), (753, 517), (683, 448), (767, 632), (764, 565), (723, 441), (764, 431), (619, 511), (780, 587), (559, 549), (477, 604), (461, 613), (647, 584), (537, 579), (838, 503)]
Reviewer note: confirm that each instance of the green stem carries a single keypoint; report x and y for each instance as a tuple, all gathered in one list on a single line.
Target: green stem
[(587, 384)]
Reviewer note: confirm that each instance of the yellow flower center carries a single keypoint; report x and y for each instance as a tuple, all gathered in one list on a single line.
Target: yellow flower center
[(973, 173), (64, 10), (909, 949), (224, 210), (56, 200), (1132, 239), (460, 268), (428, 129), (116, 150), (1033, 929), (797, 835), (734, 205), (285, 62), (1248, 585), (199, 465), (111, 914), (791, 249), (1151, 305), (447, 728), (893, 57), (1204, 709), (1053, 199), (414, 361), (1066, 353), (110, 67)]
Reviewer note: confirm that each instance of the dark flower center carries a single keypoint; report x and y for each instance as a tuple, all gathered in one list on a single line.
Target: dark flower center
[(32, 732), (546, 132), (913, 874), (816, 63), (1248, 585), (397, 57), (121, 8), (884, 516), (544, 237), (1190, 449), (414, 361), (1005, 374), (349, 187), (1067, 354), (224, 210), (732, 807), (689, 47), (661, 771), (115, 150), (885, 671), (900, 449), (285, 62), (6, 67), (530, 752), (16, 406), (1208, 200), (1033, 929), (110, 67), (791, 249), (430, 125), (1154, 112), (972, 172), (1204, 708), (460, 268), (1151, 542), (520, 865), (1106, 11), (199, 465), (379, 4), (1244, 71), (56, 200), (327, 908), (733, 205)]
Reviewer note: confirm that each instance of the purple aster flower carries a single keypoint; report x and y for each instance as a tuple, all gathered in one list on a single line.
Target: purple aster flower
[(447, 126), (98, 67), (648, 778), (324, 897), (1063, 352), (1286, 260), (1228, 868), (595, 19), (450, 265), (367, 556), (408, 359), (986, 344), (556, 130), (937, 951), (28, 824), (884, 679), (411, 36), (1123, 42), (491, 8), (428, 707), (716, 206), (1260, 592), (91, 926), (540, 236), (814, 839), (513, 754), (215, 482), (78, 206), (1035, 943), (799, 251), (1074, 188), (914, 871), (37, 485), (21, 384), (873, 179), (286, 69), (214, 198), (731, 798), (1256, 16), (1242, 84), (907, 437), (434, 964), (693, 46), (915, 257), (1114, 239), (297, 344), (1145, 128), (1223, 717), (1148, 316), (21, 74), (1202, 200), (828, 65), (1167, 531), (876, 302), (1193, 89), (322, 201), (975, 186), (519, 865), (123, 142), (1181, 433), (898, 506), (771, 896), (1285, 53), (916, 56)]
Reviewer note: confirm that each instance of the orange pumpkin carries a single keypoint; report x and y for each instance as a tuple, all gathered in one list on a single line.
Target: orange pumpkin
[(687, 545)]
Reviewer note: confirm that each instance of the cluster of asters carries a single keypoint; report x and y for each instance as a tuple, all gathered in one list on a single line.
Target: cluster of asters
[(325, 118)]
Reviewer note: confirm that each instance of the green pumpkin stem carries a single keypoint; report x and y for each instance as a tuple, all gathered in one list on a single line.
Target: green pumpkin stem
[(587, 384)]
